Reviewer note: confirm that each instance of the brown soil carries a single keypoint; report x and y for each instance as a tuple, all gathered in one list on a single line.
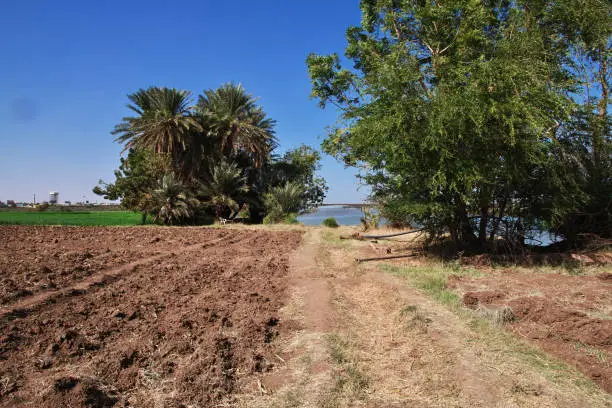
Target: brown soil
[(35, 259), (188, 324), (568, 316)]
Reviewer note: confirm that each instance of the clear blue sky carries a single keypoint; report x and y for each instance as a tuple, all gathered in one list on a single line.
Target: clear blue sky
[(67, 66)]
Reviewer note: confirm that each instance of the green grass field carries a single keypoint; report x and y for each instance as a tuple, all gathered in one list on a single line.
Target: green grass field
[(81, 218)]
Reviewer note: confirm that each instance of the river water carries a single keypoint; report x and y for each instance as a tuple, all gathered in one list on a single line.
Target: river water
[(352, 216), (343, 215)]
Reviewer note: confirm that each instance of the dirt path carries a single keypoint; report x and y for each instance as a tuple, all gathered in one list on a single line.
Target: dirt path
[(365, 338)]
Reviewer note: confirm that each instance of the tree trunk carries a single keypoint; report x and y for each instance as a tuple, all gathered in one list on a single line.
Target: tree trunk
[(465, 233), (500, 217), (482, 227)]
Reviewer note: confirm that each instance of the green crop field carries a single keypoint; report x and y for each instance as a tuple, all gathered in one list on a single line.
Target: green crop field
[(81, 218)]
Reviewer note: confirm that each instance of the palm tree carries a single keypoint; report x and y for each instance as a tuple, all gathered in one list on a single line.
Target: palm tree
[(171, 202), (226, 185), (163, 123), (285, 199), (237, 122)]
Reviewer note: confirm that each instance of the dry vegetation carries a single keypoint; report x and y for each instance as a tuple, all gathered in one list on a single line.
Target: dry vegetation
[(395, 334)]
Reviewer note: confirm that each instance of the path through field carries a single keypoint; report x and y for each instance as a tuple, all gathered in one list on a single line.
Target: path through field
[(368, 339)]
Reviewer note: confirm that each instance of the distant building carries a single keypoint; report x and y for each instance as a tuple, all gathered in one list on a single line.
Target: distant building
[(53, 197), (67, 202)]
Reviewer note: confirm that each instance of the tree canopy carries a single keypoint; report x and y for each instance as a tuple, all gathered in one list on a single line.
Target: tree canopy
[(453, 110), (212, 156)]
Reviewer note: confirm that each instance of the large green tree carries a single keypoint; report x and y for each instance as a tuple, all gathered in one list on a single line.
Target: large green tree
[(450, 109)]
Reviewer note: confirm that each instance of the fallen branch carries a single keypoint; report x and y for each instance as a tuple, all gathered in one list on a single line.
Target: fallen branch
[(360, 237), (380, 258), (392, 235)]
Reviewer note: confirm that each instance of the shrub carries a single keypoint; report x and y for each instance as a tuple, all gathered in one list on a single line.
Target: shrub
[(274, 217), (172, 203), (331, 222), (44, 206), (285, 199), (370, 219), (291, 218)]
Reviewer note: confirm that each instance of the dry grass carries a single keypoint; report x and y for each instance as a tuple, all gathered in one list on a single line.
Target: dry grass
[(487, 326), (394, 346)]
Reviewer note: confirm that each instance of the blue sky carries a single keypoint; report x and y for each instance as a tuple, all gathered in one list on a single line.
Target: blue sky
[(67, 66)]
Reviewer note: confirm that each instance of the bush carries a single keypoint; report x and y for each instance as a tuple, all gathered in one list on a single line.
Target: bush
[(331, 222), (370, 219), (273, 217), (44, 206), (285, 199), (276, 217), (291, 218)]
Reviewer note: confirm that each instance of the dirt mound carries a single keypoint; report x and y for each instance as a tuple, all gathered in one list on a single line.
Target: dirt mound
[(535, 259), (189, 328), (569, 334), (605, 276), (566, 316), (568, 325), (473, 299)]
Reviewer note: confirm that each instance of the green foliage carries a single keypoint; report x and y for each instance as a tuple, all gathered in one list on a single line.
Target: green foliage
[(164, 122), (137, 177), (172, 203), (299, 166), (291, 219), (237, 123), (276, 217), (330, 222), (284, 199), (197, 142), (452, 111), (225, 187), (272, 218)]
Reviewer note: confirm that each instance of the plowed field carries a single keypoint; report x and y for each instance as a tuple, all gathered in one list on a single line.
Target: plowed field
[(150, 316)]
